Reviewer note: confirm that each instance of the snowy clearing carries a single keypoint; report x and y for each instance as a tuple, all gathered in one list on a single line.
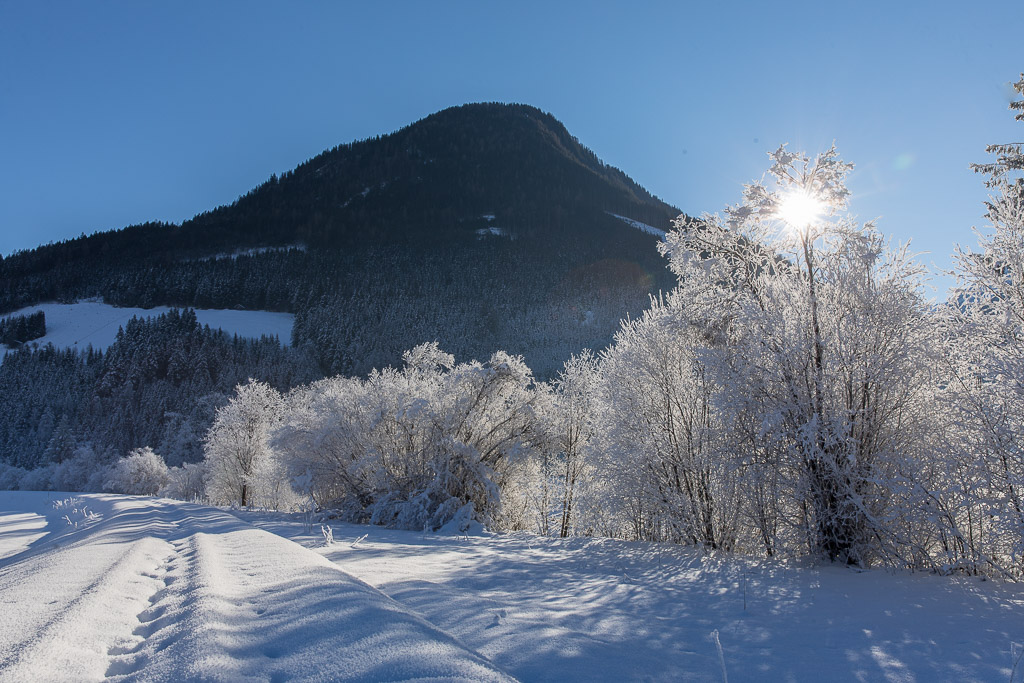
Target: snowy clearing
[(642, 227), (85, 323), (490, 232), (592, 609), (132, 588), (256, 251)]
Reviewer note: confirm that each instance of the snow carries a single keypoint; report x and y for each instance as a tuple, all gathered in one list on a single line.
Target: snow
[(135, 588), (83, 323), (19, 530), (643, 227), (253, 252), (490, 232), (594, 609)]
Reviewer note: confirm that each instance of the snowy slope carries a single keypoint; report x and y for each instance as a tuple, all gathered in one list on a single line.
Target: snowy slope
[(90, 322), (145, 589), (253, 252), (601, 610), (642, 227)]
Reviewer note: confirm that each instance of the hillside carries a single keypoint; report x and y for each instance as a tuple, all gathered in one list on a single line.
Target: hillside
[(90, 323)]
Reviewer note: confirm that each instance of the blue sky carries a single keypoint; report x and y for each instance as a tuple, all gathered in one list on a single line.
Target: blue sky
[(117, 113)]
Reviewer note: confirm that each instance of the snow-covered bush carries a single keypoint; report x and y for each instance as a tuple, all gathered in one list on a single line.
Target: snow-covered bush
[(411, 448), (271, 486), (85, 470), (323, 439), (186, 482), (38, 479), (141, 473), (10, 477)]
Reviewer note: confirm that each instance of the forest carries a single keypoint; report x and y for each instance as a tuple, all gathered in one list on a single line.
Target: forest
[(18, 329)]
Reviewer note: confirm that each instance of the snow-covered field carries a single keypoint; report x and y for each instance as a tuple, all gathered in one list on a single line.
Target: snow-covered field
[(90, 322), (601, 610), (147, 589), (253, 252)]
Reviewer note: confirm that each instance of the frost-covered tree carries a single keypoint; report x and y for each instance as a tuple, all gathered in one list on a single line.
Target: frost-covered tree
[(987, 353), (141, 473), (238, 456), (674, 467), (829, 344), (572, 426)]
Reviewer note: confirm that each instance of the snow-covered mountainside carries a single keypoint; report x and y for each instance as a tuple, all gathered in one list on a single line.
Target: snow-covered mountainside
[(476, 226), (86, 323), (143, 589)]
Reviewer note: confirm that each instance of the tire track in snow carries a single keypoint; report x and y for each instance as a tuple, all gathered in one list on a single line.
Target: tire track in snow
[(60, 649), (248, 605), (126, 657), (166, 591)]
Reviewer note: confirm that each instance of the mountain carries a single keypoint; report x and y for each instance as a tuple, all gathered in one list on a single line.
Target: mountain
[(471, 220), (483, 227), (429, 182), (434, 181)]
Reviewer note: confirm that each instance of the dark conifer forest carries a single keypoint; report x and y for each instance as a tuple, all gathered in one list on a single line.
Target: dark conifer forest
[(15, 330)]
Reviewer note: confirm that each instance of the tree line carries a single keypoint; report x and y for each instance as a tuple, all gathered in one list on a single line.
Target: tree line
[(160, 384), (15, 330)]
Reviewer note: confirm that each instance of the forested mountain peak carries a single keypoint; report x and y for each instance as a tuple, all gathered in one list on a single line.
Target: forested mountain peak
[(435, 180), (441, 179)]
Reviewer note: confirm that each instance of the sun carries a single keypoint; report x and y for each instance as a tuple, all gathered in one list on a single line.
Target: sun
[(800, 209)]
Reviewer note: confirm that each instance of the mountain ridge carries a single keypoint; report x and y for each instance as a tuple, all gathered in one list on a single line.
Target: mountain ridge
[(355, 171)]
